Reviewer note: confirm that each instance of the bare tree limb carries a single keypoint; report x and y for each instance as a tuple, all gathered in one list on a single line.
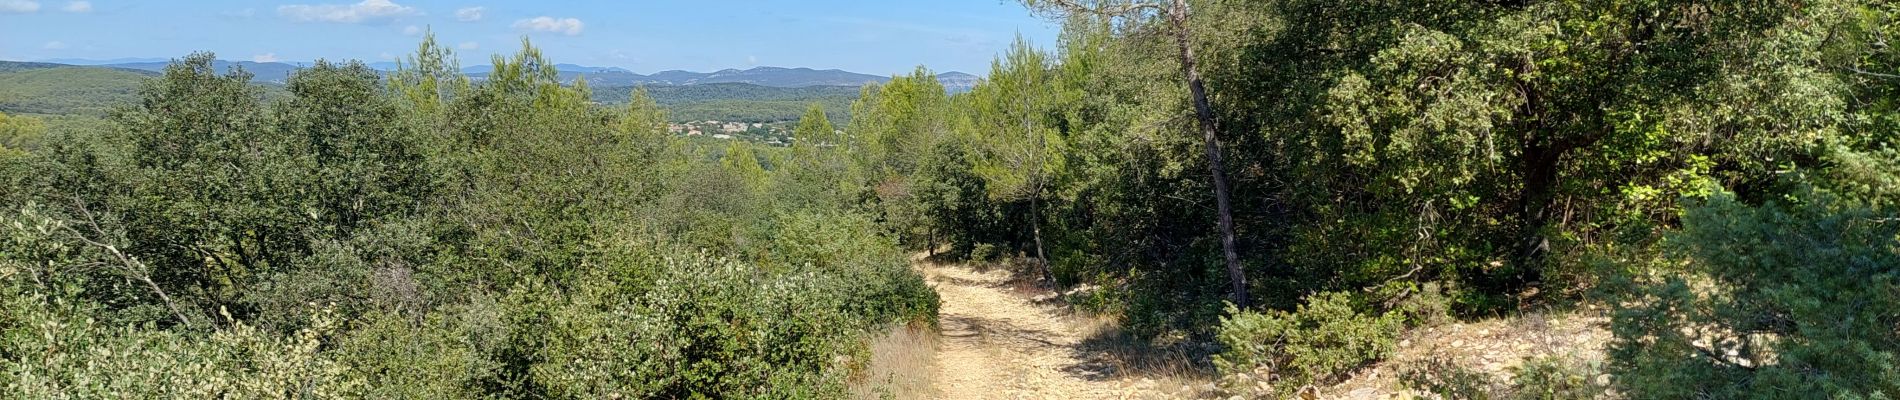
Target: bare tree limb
[(1073, 6), (131, 266), (1857, 70)]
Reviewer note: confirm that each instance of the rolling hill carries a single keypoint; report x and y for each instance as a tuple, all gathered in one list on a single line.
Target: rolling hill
[(762, 76), (764, 94), (57, 89), (278, 72), (41, 88), (270, 72), (742, 102)]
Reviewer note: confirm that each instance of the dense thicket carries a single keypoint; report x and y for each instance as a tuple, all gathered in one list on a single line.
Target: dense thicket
[(1717, 171), (427, 237), (1721, 174)]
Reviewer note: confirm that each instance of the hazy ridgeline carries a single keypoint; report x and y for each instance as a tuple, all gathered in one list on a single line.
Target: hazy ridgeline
[(1723, 176)]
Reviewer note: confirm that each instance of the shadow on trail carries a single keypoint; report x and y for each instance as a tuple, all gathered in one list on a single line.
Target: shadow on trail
[(997, 332), (1024, 277), (1095, 350), (1112, 354)]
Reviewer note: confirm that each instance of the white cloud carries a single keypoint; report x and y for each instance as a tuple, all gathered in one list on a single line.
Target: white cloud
[(19, 6), (265, 58), (54, 45), (752, 60), (386, 56), (470, 14), (78, 6), (368, 10), (565, 26), (469, 46), (411, 30)]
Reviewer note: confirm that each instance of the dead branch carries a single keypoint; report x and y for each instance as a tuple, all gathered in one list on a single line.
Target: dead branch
[(131, 266)]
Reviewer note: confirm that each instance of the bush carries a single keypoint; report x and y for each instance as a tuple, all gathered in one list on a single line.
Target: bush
[(1793, 296), (984, 253), (54, 350), (710, 327), (1540, 378), (1422, 304), (1556, 378), (404, 358), (1448, 380), (1314, 344)]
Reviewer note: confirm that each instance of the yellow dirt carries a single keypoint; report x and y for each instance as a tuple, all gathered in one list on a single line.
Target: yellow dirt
[(998, 342), (1003, 338)]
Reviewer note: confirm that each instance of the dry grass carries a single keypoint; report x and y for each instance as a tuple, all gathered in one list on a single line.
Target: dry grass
[(900, 366), (1490, 346), (1176, 369)]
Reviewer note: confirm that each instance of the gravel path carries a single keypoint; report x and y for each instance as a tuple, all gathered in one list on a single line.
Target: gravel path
[(999, 343)]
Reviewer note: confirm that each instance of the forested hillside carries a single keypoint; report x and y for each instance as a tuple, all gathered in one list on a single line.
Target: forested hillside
[(1295, 185), (57, 89), (739, 101), (28, 88), (1718, 174)]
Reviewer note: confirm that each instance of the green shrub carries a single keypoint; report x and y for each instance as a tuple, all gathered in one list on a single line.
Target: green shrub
[(1422, 304), (710, 327), (53, 350), (405, 358), (1448, 380), (1794, 296), (1314, 344), (1556, 378), (1549, 377), (984, 253)]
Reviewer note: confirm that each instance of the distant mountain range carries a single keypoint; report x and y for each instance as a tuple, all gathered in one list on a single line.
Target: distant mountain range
[(95, 90), (279, 72)]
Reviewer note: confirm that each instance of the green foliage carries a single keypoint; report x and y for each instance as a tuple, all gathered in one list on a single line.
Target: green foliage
[(644, 116), (819, 172), (56, 349), (397, 356), (898, 122), (739, 101), (68, 90), (503, 238), (950, 204), (19, 135), (425, 80), (1553, 378), (1548, 377), (1317, 343), (1017, 151), (1448, 380), (814, 127), (1794, 295), (984, 253), (508, 237)]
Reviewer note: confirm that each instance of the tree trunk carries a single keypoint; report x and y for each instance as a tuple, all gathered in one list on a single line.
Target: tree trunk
[(1035, 196), (1035, 228), (1540, 184), (1177, 15)]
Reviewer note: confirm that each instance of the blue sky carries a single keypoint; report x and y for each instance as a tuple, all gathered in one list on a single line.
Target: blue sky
[(868, 36)]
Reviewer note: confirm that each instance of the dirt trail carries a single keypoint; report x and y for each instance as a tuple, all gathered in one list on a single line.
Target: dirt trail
[(999, 343)]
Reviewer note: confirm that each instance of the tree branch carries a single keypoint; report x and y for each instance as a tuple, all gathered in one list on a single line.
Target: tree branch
[(1857, 70), (132, 267), (1123, 10), (1719, 358)]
